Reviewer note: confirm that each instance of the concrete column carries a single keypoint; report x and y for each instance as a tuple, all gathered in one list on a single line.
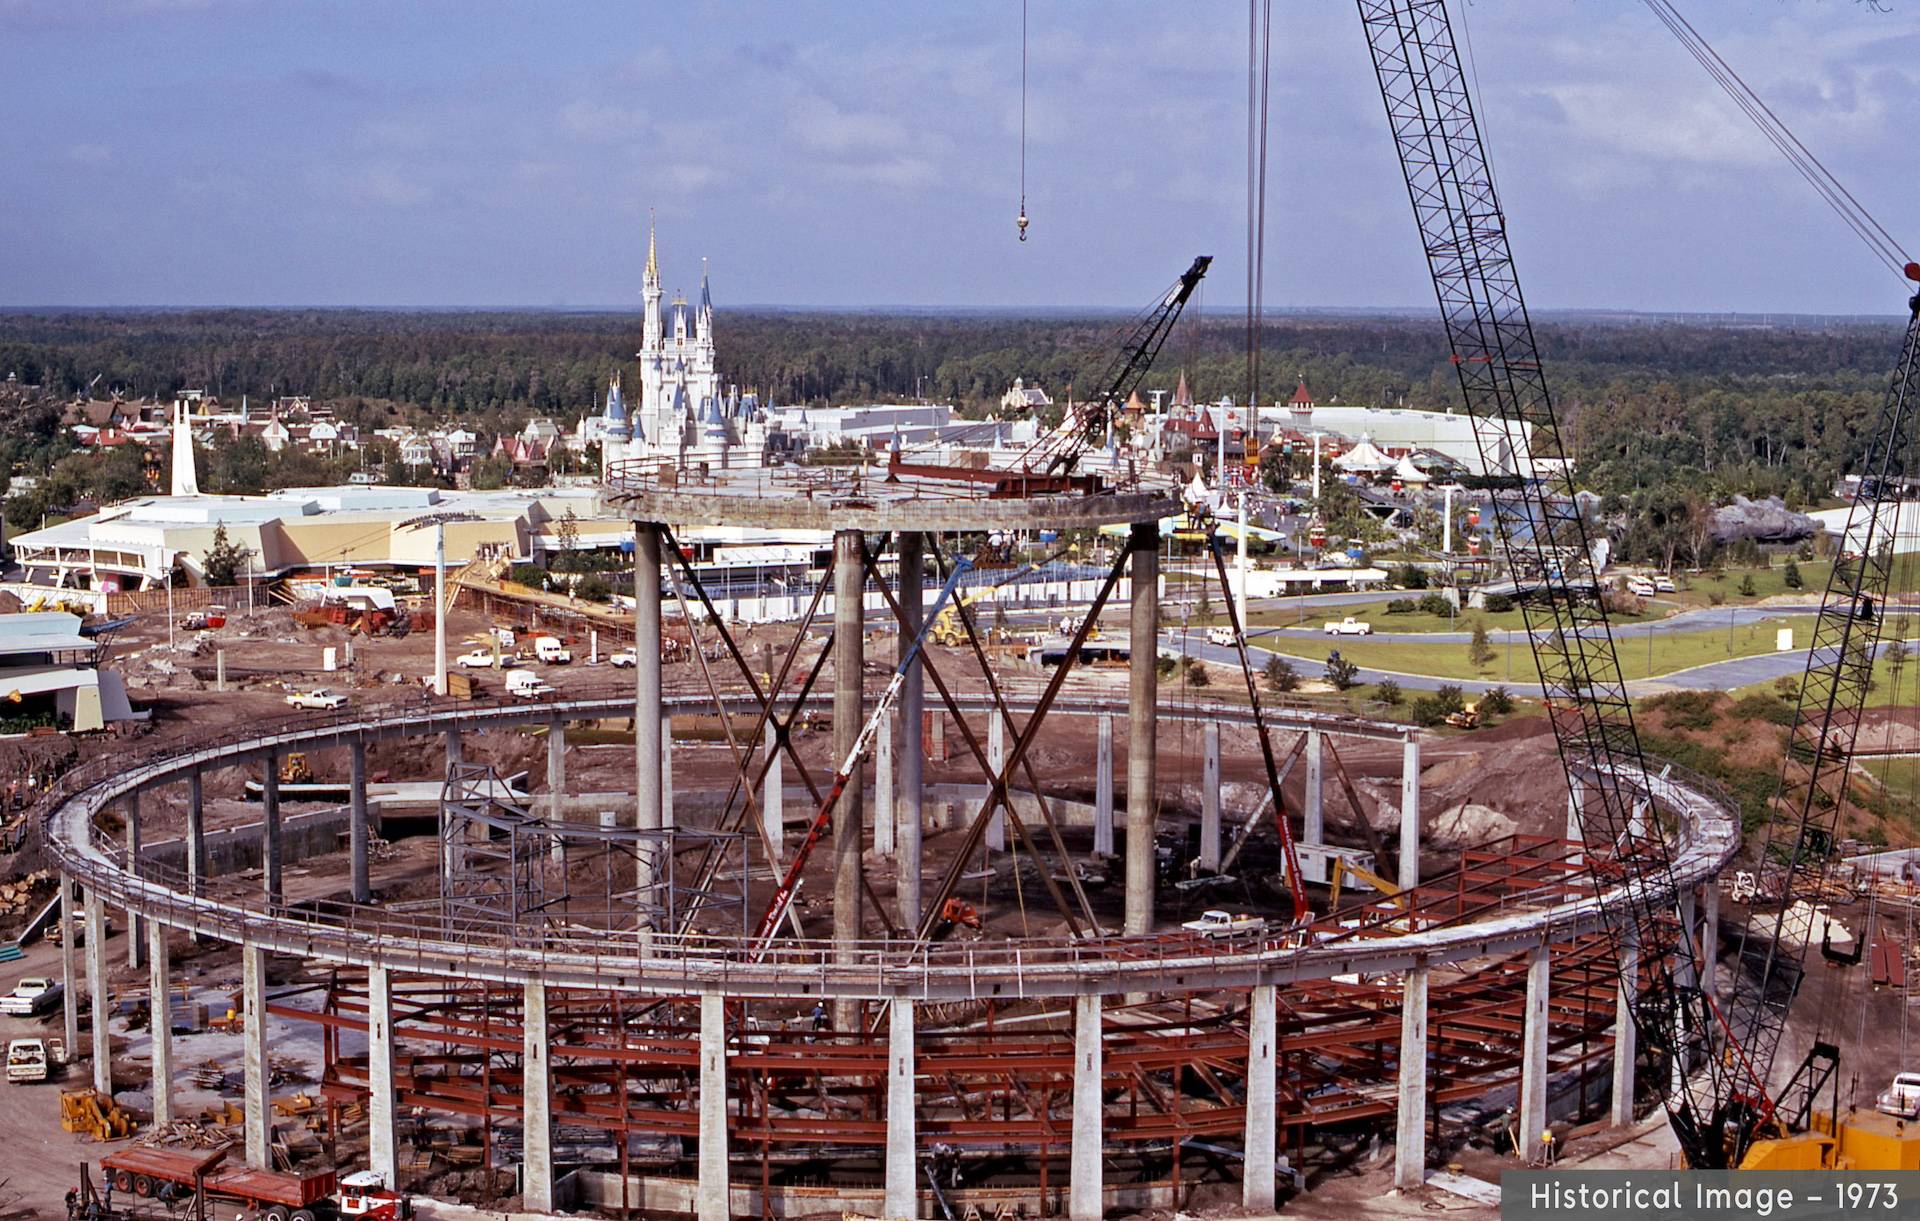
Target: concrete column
[(536, 1107), (196, 835), (136, 927), (160, 1020), (1709, 934), (1625, 1043), (771, 813), (710, 1190), (383, 1157), (849, 656), (666, 772), (253, 1014), (455, 755), (69, 974), (556, 767), (883, 770), (1533, 1054), (1576, 820), (1142, 692), (1210, 797), (270, 828), (358, 833), (1410, 1132), (1103, 787), (1084, 1167), (646, 694), (97, 992), (910, 805), (1409, 814), (903, 1158), (996, 760), (1315, 829), (1262, 1127)]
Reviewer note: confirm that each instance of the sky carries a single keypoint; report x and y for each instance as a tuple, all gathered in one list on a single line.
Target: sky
[(470, 153)]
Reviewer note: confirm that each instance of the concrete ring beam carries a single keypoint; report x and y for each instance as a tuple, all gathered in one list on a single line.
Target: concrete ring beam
[(663, 964), (879, 508)]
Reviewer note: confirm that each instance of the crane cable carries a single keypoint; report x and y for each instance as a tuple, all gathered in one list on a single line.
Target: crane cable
[(1022, 222), (1809, 167), (1259, 79)]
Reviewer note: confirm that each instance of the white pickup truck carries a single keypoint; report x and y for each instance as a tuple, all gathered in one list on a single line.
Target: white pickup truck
[(33, 995), (1348, 627), (1217, 923), (1222, 636), (526, 685), (27, 1061), (319, 697)]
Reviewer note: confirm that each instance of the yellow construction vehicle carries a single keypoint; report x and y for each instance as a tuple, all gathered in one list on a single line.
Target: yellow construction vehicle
[(947, 630), (88, 1113), (1342, 867), (294, 769), (1467, 718)]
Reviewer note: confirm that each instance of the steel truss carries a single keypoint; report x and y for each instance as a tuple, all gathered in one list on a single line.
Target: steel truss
[(504, 868), (1544, 535)]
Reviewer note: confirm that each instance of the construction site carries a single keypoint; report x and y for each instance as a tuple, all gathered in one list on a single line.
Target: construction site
[(867, 913)]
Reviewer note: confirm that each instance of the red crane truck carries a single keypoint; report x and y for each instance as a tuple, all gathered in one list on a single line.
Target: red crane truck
[(171, 1175)]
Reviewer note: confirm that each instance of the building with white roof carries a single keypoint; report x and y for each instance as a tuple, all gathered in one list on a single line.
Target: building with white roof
[(49, 674), (1400, 431)]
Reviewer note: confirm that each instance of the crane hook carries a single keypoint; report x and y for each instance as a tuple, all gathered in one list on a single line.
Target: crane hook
[(1022, 222)]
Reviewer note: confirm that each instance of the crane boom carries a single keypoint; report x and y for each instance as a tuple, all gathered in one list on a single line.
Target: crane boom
[(1545, 539)]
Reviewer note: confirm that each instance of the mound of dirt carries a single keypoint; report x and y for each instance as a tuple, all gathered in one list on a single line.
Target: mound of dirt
[(1477, 795)]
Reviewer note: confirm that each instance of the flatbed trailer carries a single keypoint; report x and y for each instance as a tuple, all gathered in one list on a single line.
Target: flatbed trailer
[(174, 1174)]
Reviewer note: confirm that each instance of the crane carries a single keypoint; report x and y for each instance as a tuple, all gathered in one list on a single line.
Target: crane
[(1545, 537), (1721, 1106), (1047, 467)]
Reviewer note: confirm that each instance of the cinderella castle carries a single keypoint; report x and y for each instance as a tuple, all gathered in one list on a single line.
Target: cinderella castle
[(682, 415)]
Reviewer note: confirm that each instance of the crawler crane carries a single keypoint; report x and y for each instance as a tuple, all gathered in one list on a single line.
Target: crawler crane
[(1721, 1103)]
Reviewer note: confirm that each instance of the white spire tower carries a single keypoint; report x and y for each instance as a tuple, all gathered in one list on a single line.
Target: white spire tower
[(186, 481)]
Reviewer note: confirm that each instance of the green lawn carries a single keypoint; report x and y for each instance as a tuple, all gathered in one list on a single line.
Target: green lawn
[(1376, 614), (1901, 776), (1670, 652)]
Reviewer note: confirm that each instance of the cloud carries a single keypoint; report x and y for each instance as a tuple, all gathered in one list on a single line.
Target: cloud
[(388, 186), (826, 127), (90, 154), (600, 123)]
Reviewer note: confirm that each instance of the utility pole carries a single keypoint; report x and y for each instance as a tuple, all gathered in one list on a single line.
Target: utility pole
[(440, 607)]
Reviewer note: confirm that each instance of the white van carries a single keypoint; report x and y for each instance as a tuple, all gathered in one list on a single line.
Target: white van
[(549, 650), (526, 685)]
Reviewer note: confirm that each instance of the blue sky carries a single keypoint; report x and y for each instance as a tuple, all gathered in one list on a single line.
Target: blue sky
[(192, 152)]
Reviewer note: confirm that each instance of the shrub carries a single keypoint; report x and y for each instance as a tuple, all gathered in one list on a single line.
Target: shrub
[(531, 575), (1427, 712), (1498, 604), (1686, 709), (1790, 576), (1498, 702), (595, 588), (1196, 673), (1747, 589), (1716, 598), (1388, 693), (1410, 576), (1402, 606), (1479, 649), (1165, 666), (1450, 697), (1341, 673), (1434, 604), (1280, 675), (1768, 708)]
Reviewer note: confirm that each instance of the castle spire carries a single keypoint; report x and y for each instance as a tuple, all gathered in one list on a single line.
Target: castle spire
[(653, 262)]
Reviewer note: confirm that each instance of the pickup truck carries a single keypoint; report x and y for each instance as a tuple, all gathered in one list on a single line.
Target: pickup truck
[(526, 685), (479, 659), (623, 660), (27, 1061), (1640, 587), (1348, 627), (319, 697), (1222, 636), (1217, 923), (33, 995)]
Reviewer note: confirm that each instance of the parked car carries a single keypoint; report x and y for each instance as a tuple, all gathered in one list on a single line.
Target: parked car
[(33, 995), (1222, 636), (479, 659), (1665, 585), (1349, 627), (623, 659), (27, 1061), (319, 697), (1640, 587), (549, 650)]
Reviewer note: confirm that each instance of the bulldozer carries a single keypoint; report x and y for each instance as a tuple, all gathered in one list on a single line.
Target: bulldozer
[(92, 1114), (1467, 718), (947, 630), (294, 769)]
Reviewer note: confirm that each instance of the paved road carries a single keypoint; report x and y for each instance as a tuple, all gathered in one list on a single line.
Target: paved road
[(1702, 619), (1714, 676)]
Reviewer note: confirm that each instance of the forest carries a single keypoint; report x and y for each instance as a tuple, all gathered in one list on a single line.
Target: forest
[(1710, 407)]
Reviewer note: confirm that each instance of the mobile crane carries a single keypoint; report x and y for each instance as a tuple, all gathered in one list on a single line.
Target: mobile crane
[(1721, 1105)]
